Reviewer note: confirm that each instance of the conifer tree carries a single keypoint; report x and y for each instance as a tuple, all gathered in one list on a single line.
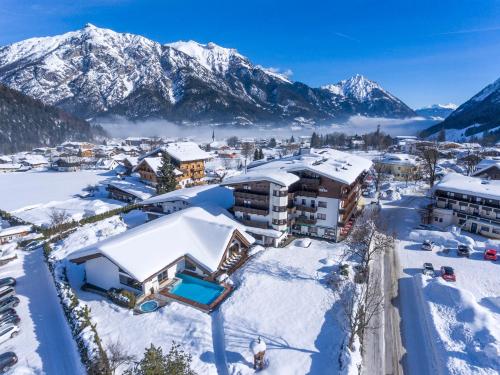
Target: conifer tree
[(166, 175)]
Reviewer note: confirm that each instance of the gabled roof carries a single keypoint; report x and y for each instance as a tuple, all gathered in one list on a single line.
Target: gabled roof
[(486, 164), (201, 233), (213, 195)]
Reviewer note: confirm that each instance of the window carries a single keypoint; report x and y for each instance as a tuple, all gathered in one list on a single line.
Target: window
[(303, 202), (484, 228), (321, 216), (322, 204), (461, 221), (435, 219), (126, 280), (162, 276), (440, 219), (246, 187), (189, 266), (496, 231)]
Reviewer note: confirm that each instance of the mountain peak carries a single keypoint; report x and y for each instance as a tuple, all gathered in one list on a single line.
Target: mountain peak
[(210, 55), (358, 87)]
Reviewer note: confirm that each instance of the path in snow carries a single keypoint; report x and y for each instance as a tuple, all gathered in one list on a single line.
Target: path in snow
[(219, 343)]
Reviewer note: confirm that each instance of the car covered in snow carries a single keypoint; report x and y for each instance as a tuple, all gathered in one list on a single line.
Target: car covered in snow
[(490, 254), (464, 251), (428, 269), (9, 331), (7, 281), (7, 360), (9, 303), (428, 245), (448, 273)]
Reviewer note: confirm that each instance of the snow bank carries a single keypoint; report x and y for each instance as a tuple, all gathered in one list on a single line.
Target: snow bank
[(444, 239), (468, 336)]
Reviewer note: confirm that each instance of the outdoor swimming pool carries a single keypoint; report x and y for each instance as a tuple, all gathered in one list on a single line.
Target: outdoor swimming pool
[(148, 306), (197, 290)]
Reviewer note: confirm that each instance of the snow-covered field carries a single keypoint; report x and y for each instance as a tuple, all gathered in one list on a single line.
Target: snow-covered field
[(18, 190), (281, 296), (452, 326)]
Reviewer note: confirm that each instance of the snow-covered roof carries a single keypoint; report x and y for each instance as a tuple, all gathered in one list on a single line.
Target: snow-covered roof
[(14, 230), (186, 151), (213, 195), (458, 183), (396, 159), (135, 188), (10, 166), (35, 159), (276, 176), (336, 165), (202, 233), (485, 164)]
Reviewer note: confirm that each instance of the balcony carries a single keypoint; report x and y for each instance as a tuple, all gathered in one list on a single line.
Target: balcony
[(307, 208), (482, 202), (254, 224), (305, 220), (309, 181), (253, 195), (252, 210), (306, 193)]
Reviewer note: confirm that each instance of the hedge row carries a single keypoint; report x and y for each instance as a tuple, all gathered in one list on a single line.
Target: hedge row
[(48, 232), (92, 353)]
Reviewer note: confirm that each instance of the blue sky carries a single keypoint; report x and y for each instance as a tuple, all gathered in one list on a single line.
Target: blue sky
[(422, 51)]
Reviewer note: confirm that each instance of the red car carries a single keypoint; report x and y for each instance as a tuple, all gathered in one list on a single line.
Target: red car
[(448, 273), (490, 254)]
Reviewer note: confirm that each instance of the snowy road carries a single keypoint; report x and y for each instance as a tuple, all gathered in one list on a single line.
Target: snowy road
[(416, 358), (45, 344)]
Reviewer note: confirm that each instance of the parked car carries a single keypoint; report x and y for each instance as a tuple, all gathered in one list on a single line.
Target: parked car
[(7, 281), (448, 273), (428, 269), (6, 292), (490, 254), (11, 318), (8, 331), (7, 360), (464, 251), (428, 245), (9, 303), (7, 312)]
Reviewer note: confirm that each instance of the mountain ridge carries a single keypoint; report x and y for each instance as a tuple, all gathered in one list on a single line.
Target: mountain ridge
[(97, 72)]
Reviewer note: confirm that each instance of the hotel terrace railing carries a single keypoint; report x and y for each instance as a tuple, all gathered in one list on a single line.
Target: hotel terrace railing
[(251, 210), (307, 208), (305, 220), (306, 193), (309, 180), (481, 202), (243, 194), (255, 224)]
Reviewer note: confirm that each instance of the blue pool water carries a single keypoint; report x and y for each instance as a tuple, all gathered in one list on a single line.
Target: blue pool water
[(148, 306), (197, 290)]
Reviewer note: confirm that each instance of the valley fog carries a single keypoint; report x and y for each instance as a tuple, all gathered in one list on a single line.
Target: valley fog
[(355, 125)]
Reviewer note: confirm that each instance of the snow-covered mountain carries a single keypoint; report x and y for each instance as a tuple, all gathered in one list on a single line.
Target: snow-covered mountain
[(436, 111), (478, 115), (369, 97), (94, 72)]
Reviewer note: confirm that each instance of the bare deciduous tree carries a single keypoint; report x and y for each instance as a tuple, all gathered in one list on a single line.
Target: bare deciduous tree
[(247, 149), (430, 157), (58, 217), (359, 304), (471, 160), (118, 356)]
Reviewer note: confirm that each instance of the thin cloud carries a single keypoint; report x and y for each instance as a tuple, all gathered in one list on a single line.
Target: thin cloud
[(471, 31), (345, 36)]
